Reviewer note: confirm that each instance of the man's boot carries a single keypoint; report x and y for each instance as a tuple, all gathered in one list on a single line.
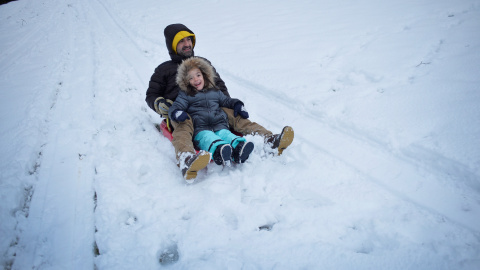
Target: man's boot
[(282, 140), (190, 164)]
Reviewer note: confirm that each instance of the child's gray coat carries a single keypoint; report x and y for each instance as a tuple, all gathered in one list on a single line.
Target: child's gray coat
[(203, 106)]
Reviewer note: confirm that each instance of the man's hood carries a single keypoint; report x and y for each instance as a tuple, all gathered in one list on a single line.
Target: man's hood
[(173, 34)]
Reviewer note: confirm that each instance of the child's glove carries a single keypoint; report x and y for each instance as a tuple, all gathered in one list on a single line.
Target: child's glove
[(179, 116), (239, 109)]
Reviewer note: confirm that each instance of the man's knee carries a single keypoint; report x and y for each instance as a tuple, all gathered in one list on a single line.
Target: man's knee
[(183, 127)]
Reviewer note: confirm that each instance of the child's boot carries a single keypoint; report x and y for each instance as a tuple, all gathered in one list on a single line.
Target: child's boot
[(242, 152), (222, 155)]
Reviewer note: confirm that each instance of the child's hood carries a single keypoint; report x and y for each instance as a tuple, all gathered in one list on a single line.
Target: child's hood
[(189, 64)]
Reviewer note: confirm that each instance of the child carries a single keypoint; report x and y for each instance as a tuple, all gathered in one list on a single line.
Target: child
[(203, 101)]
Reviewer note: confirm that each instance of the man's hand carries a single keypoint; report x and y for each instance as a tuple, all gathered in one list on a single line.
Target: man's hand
[(162, 105), (179, 116), (239, 109)]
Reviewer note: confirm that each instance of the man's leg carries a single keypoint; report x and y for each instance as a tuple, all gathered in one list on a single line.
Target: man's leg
[(188, 160), (182, 137), (245, 126)]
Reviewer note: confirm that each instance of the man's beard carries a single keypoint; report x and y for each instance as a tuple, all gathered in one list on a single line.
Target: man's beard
[(186, 54)]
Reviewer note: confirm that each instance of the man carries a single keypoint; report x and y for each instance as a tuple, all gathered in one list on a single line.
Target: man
[(163, 90)]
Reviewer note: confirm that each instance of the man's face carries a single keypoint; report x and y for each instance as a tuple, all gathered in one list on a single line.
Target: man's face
[(184, 47)]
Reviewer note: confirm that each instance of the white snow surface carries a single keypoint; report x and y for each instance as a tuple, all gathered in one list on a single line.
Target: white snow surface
[(384, 171)]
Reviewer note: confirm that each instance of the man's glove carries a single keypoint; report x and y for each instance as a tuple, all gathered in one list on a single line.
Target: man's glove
[(239, 109), (179, 116), (162, 105)]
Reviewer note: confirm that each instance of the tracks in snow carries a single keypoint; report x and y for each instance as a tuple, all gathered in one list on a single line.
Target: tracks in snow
[(408, 174), (79, 94), (59, 229), (65, 221)]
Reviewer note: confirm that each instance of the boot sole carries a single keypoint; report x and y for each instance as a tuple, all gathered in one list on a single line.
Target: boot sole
[(246, 151), (286, 139), (227, 153), (198, 164)]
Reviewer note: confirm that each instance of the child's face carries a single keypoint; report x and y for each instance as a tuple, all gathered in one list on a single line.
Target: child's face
[(196, 79)]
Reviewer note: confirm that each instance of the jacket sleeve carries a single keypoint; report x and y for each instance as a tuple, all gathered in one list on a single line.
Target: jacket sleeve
[(228, 102), (156, 88), (181, 103)]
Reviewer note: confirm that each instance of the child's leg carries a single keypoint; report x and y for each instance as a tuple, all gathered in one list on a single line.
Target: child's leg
[(208, 140), (229, 137), (211, 142), (241, 148)]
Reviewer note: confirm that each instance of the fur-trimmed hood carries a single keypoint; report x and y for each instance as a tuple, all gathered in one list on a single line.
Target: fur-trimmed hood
[(195, 62)]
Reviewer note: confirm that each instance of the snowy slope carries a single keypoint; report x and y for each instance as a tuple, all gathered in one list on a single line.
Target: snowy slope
[(384, 171)]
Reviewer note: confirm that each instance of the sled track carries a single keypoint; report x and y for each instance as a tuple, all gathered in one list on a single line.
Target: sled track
[(132, 55), (45, 130), (55, 164), (30, 40), (106, 54), (401, 181)]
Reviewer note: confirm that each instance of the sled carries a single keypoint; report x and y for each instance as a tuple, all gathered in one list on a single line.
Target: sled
[(166, 129)]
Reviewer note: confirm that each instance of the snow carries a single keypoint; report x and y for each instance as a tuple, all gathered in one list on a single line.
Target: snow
[(384, 171)]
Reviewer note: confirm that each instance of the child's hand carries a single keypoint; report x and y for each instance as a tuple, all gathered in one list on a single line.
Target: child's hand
[(239, 109), (179, 116)]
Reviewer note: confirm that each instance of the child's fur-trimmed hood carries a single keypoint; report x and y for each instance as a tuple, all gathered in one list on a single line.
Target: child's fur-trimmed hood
[(189, 64)]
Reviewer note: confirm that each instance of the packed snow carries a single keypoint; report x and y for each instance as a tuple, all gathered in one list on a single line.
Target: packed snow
[(383, 173)]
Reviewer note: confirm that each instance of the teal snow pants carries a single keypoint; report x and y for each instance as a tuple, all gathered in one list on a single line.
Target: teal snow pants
[(209, 140)]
